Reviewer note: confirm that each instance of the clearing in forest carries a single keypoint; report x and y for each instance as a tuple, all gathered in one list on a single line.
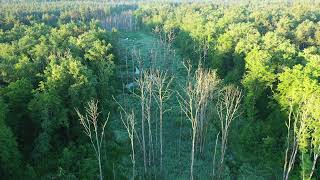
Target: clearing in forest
[(141, 51), (145, 51)]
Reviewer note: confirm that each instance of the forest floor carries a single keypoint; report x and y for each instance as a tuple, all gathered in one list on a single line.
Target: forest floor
[(145, 51)]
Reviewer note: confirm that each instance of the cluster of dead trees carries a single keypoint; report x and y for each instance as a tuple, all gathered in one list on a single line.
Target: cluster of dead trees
[(154, 91), (199, 99), (201, 96), (166, 40), (124, 21)]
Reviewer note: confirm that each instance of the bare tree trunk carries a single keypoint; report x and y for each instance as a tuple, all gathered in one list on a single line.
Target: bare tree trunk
[(99, 154), (149, 85), (299, 127), (89, 120), (198, 90), (315, 158), (143, 138), (162, 83), (285, 170), (214, 156), (228, 109), (161, 139), (142, 97), (129, 123), (145, 83), (180, 136), (192, 153), (291, 160)]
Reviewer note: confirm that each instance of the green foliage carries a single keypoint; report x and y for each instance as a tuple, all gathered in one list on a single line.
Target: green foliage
[(270, 49), (10, 158), (52, 59), (56, 56)]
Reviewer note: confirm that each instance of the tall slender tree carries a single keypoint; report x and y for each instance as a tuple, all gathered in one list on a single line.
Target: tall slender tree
[(162, 94), (228, 107), (93, 130), (197, 93)]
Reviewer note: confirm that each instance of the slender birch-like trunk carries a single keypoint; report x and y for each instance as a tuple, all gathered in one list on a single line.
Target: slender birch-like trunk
[(199, 89), (162, 83), (228, 109), (89, 121), (315, 159)]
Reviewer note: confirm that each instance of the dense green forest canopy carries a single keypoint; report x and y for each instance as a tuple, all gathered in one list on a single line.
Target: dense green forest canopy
[(53, 58), (253, 63)]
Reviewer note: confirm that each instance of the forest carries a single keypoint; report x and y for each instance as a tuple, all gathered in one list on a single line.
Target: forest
[(171, 89)]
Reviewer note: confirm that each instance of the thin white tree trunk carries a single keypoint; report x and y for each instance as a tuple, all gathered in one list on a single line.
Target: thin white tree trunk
[(143, 138), (192, 153), (161, 136), (315, 158), (89, 120), (214, 156)]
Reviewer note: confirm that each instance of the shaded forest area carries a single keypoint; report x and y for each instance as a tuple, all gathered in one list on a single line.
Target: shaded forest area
[(147, 90)]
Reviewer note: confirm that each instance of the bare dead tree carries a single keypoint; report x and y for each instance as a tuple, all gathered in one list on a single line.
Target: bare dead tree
[(148, 83), (129, 122), (162, 93), (207, 82), (171, 37), (187, 106), (227, 107), (89, 121), (143, 96), (163, 37), (157, 30), (196, 94), (204, 51)]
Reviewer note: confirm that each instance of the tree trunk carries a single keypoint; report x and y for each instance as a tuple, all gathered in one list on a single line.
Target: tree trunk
[(133, 160), (99, 156), (192, 153), (142, 129), (161, 142), (315, 158)]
